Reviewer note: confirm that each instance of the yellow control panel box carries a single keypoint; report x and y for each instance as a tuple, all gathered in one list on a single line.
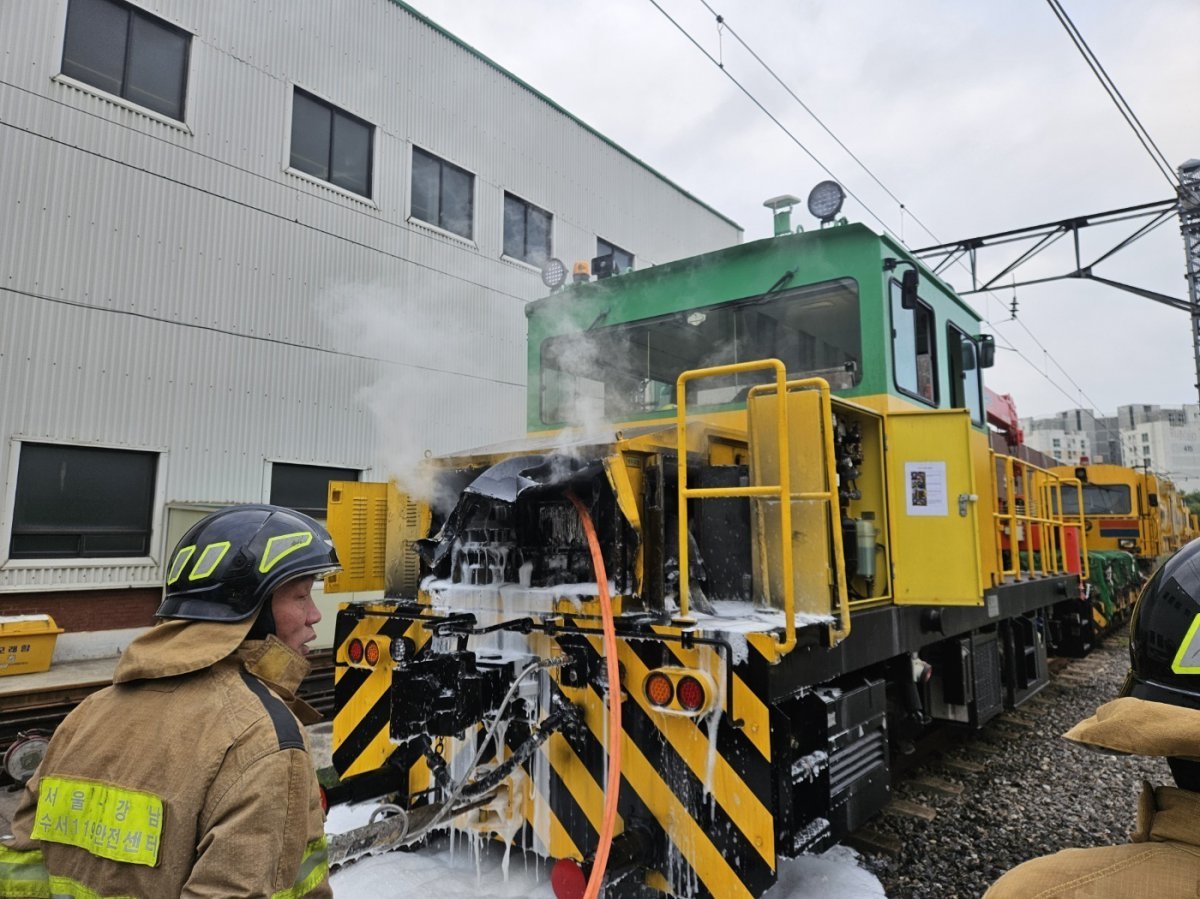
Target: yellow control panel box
[(26, 643)]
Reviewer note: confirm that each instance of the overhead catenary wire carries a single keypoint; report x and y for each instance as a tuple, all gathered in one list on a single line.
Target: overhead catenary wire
[(1051, 358), (753, 99), (1008, 345), (723, 25), (903, 207), (1110, 87)]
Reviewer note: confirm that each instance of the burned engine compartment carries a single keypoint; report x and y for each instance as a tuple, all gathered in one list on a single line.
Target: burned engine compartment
[(514, 523)]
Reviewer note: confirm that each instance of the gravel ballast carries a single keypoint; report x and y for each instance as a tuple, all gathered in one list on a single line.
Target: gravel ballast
[(1037, 793)]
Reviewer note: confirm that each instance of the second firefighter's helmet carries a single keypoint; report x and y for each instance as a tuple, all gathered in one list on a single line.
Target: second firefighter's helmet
[(229, 563), (1164, 640)]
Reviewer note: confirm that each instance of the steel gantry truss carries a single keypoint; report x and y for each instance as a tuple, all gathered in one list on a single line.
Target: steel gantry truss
[(1149, 216), (1189, 224)]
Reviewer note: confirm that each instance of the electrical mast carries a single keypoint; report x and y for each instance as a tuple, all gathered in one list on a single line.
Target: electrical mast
[(1189, 224)]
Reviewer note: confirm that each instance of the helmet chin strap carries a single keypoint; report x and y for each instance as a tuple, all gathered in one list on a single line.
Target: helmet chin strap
[(264, 624)]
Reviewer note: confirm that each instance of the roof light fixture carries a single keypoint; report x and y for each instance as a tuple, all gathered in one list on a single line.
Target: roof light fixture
[(554, 273), (825, 200)]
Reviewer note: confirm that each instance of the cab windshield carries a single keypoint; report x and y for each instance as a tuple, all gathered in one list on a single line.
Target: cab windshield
[(624, 371), (1098, 499)]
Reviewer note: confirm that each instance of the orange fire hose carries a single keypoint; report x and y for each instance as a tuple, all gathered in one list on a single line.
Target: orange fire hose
[(613, 784)]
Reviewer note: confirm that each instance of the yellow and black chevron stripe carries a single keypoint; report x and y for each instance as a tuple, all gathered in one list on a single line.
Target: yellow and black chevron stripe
[(362, 698), (701, 787)]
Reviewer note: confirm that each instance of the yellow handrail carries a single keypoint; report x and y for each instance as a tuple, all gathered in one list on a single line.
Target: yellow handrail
[(829, 496), (1081, 524), (1041, 495), (782, 490)]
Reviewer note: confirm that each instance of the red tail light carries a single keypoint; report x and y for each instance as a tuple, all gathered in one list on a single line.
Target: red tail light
[(691, 694), (355, 651)]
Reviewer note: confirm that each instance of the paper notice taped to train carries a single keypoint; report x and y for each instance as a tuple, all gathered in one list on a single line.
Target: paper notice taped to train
[(925, 488)]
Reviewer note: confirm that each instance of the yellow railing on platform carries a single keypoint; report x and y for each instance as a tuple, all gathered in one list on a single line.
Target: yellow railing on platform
[(782, 490), (1033, 516)]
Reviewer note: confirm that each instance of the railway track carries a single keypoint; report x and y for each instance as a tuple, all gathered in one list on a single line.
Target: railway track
[(44, 710), (951, 762)]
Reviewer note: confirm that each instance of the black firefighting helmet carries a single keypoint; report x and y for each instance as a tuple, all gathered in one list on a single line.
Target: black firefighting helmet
[(228, 564), (1164, 641)]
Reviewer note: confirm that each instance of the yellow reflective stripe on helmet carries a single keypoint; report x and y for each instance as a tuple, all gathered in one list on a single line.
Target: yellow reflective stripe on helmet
[(105, 820), (281, 546), (23, 874), (209, 559), (181, 559), (66, 888), (313, 870), (1187, 660)]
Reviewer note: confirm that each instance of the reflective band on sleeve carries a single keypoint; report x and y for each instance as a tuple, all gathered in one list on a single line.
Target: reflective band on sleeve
[(23, 874), (107, 821), (313, 871), (1187, 660), (278, 547)]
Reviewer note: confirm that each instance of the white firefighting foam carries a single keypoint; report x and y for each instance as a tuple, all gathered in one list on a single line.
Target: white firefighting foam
[(470, 867)]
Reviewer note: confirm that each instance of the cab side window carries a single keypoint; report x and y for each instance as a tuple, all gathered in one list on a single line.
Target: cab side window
[(965, 387), (913, 348)]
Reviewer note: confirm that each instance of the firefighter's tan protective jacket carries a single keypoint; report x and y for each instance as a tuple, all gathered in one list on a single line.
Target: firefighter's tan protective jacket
[(190, 776), (1163, 861)]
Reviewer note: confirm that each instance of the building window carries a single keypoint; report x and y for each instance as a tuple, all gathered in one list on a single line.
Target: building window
[(622, 260), (330, 144), (526, 231), (1145, 438), (442, 193), (124, 51), (305, 488), (1057, 443), (79, 502)]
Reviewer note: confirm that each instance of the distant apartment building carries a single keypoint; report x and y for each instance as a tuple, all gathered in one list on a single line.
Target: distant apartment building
[(1164, 440), (1066, 446), (1072, 435)]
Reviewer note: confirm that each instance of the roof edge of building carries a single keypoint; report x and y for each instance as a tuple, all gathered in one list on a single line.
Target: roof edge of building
[(582, 124)]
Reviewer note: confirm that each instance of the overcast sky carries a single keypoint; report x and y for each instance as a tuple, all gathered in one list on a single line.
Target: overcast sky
[(978, 116)]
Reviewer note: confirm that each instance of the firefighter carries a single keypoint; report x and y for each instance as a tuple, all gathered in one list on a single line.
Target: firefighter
[(1157, 714), (190, 775)]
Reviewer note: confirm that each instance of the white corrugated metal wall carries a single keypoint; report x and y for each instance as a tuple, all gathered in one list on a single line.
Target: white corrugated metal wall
[(174, 288)]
